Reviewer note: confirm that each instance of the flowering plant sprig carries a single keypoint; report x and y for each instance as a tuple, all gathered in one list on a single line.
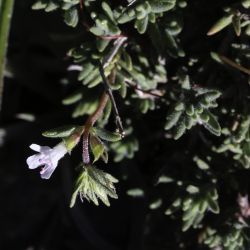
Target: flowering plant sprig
[(95, 183)]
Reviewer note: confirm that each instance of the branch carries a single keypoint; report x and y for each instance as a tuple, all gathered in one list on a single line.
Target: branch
[(149, 92), (109, 57), (234, 64), (112, 99), (103, 101), (89, 123), (6, 8)]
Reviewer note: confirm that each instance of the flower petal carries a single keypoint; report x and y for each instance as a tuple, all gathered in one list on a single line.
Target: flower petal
[(34, 161), (40, 149), (35, 147), (47, 171)]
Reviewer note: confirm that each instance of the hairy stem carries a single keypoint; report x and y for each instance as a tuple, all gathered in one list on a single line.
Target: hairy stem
[(6, 8), (89, 123)]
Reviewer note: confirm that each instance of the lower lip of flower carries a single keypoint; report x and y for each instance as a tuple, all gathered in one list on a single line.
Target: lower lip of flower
[(42, 170)]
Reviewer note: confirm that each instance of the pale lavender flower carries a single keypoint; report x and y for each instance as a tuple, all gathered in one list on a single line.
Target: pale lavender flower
[(47, 157)]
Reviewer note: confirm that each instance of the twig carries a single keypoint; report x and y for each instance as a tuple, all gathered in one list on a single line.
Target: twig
[(6, 8), (112, 99), (102, 65), (102, 103), (234, 64), (81, 5), (109, 57), (149, 92), (112, 37), (89, 123)]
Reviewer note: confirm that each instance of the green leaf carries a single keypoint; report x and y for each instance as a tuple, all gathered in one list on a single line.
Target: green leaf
[(172, 118), (73, 98), (212, 125), (159, 6), (192, 189), (39, 5), (71, 17), (92, 184), (213, 205), (97, 147), (105, 156), (86, 69), (189, 122), (212, 95), (141, 24), (108, 11), (60, 132), (220, 24), (179, 106), (128, 60), (51, 6), (243, 130), (203, 206), (85, 107), (106, 135), (171, 45), (135, 192), (201, 164), (155, 204), (72, 140), (97, 31), (102, 44), (246, 4), (126, 16), (237, 24), (190, 110), (180, 129)]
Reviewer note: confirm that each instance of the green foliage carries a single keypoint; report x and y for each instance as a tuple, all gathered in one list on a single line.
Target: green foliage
[(68, 8), (144, 12), (93, 184), (234, 17), (232, 237), (125, 148), (238, 142), (192, 108), (195, 204), (106, 135)]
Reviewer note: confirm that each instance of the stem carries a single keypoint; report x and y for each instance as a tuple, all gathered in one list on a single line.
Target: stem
[(112, 99), (102, 103), (89, 123), (109, 57), (234, 64), (6, 8), (149, 92)]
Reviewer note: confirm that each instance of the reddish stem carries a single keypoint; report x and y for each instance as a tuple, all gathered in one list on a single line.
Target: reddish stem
[(81, 5), (89, 123)]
